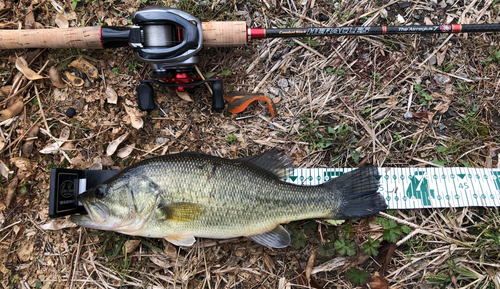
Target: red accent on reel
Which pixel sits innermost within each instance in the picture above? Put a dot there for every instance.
(181, 78)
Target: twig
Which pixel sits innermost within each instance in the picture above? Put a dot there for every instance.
(309, 48)
(11, 225)
(468, 152)
(41, 111)
(409, 224)
(202, 77)
(76, 259)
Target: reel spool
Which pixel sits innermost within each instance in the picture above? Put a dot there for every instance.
(169, 40)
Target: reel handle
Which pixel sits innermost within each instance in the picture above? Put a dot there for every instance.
(145, 92)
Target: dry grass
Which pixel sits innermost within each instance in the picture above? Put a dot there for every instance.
(365, 83)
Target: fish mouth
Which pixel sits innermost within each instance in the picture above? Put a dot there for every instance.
(97, 215)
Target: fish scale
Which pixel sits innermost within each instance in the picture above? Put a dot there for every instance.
(182, 196)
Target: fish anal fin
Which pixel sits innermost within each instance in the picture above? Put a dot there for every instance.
(276, 238)
(274, 161)
(182, 212)
(181, 239)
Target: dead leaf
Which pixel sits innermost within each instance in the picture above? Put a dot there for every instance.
(29, 20)
(444, 105)
(58, 224)
(56, 78)
(64, 133)
(377, 282)
(131, 245)
(5, 90)
(60, 94)
(114, 144)
(269, 262)
(170, 251)
(126, 151)
(96, 166)
(309, 267)
(441, 56)
(4, 170)
(112, 96)
(162, 263)
(85, 67)
(22, 66)
(22, 163)
(68, 146)
(38, 25)
(11, 188)
(4, 269)
(52, 148)
(28, 145)
(55, 147)
(16, 107)
(135, 116)
(128, 102)
(384, 257)
(184, 95)
(302, 280)
(74, 80)
(449, 89)
(61, 21)
(423, 115)
(24, 253)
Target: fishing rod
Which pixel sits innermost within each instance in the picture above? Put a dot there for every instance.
(170, 40)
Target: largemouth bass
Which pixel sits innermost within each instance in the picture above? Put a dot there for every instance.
(182, 196)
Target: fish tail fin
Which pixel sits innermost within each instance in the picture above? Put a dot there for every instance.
(357, 193)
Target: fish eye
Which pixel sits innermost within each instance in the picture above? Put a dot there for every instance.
(100, 192)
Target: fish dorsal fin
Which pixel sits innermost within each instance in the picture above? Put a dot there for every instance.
(182, 212)
(274, 161)
(276, 238)
(181, 239)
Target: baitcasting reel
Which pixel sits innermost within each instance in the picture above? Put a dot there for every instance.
(169, 40)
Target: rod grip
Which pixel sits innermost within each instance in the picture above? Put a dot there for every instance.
(224, 33)
(76, 37)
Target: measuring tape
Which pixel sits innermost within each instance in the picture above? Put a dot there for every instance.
(417, 188)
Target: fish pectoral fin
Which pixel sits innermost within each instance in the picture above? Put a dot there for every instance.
(276, 238)
(181, 239)
(182, 212)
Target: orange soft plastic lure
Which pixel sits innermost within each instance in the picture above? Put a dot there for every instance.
(239, 101)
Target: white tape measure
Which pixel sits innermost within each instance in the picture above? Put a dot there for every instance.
(414, 188)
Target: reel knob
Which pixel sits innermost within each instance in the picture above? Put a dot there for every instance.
(217, 98)
(146, 96)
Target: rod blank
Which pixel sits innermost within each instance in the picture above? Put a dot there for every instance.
(259, 33)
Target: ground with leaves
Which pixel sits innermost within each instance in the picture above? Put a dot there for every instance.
(393, 101)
